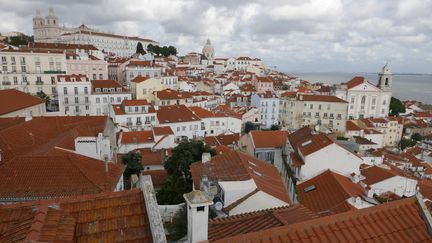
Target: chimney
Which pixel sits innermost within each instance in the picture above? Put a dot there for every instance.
(28, 116)
(205, 157)
(197, 215)
(106, 163)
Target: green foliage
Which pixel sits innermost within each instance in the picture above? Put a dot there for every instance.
(186, 153)
(172, 191)
(132, 160)
(178, 228)
(405, 143)
(19, 40)
(44, 97)
(162, 51)
(177, 166)
(396, 107)
(140, 49)
(342, 138)
(249, 126)
(275, 127)
(417, 137)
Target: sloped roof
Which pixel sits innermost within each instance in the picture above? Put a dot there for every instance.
(175, 113)
(13, 100)
(6, 122)
(269, 139)
(375, 174)
(329, 192)
(59, 174)
(165, 130)
(223, 139)
(133, 137)
(238, 166)
(106, 217)
(41, 134)
(397, 221)
(351, 126)
(224, 227)
(101, 84)
(356, 81)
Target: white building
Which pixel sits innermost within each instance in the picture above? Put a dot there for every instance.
(48, 29)
(299, 110)
(84, 64)
(133, 115)
(365, 99)
(134, 68)
(105, 93)
(268, 106)
(74, 95)
(216, 123)
(31, 71)
(182, 121)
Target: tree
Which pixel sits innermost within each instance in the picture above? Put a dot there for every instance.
(405, 143)
(44, 97)
(172, 191)
(172, 50)
(140, 49)
(186, 153)
(275, 127)
(132, 160)
(249, 126)
(396, 107)
(417, 137)
(178, 228)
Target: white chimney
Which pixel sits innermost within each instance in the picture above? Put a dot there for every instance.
(205, 157)
(28, 116)
(197, 215)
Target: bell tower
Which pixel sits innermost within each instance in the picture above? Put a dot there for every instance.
(385, 80)
(38, 23)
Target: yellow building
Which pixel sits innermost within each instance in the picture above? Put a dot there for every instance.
(142, 87)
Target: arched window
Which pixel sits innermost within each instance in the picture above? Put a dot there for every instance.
(386, 81)
(363, 99)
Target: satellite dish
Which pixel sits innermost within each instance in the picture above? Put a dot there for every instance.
(317, 128)
(218, 205)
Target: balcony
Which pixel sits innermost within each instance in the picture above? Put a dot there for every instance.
(54, 72)
(138, 123)
(24, 82)
(39, 82)
(129, 124)
(6, 83)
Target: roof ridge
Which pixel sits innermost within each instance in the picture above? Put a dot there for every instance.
(240, 200)
(84, 173)
(37, 223)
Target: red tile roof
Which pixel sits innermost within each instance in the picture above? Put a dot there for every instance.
(41, 134)
(328, 193)
(356, 81)
(224, 227)
(237, 166)
(60, 46)
(135, 103)
(269, 139)
(175, 113)
(14, 100)
(139, 79)
(73, 78)
(10, 121)
(159, 177)
(165, 130)
(59, 174)
(101, 84)
(313, 143)
(224, 139)
(169, 94)
(321, 98)
(375, 174)
(351, 126)
(397, 221)
(106, 217)
(201, 112)
(134, 137)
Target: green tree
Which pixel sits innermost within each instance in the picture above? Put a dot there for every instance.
(417, 137)
(406, 143)
(186, 153)
(396, 107)
(132, 160)
(172, 50)
(44, 97)
(140, 49)
(275, 127)
(249, 126)
(172, 191)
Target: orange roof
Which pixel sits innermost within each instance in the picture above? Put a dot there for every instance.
(375, 174)
(6, 122)
(159, 131)
(14, 100)
(135, 103)
(269, 139)
(101, 84)
(224, 227)
(175, 113)
(238, 166)
(397, 221)
(313, 143)
(60, 46)
(58, 174)
(201, 112)
(356, 81)
(133, 137)
(321, 98)
(289, 94)
(106, 217)
(139, 79)
(328, 193)
(158, 177)
(223, 139)
(41, 134)
(351, 126)
(73, 78)
(169, 94)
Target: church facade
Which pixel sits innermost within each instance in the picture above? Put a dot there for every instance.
(365, 99)
(48, 30)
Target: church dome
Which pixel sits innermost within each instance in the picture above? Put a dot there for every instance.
(208, 50)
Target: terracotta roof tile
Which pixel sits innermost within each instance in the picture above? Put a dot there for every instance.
(237, 166)
(351, 126)
(159, 177)
(223, 139)
(321, 98)
(6, 122)
(101, 84)
(356, 81)
(13, 100)
(175, 113)
(269, 139)
(133, 137)
(106, 217)
(327, 193)
(398, 221)
(59, 174)
(224, 227)
(375, 174)
(159, 131)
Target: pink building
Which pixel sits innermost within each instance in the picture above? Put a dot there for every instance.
(85, 64)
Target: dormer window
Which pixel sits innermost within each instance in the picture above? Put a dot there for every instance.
(105, 90)
(98, 90)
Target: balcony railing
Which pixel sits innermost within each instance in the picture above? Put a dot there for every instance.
(6, 83)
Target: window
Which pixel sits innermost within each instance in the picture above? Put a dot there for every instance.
(363, 99)
(85, 90)
(100, 76)
(105, 100)
(76, 90)
(66, 100)
(65, 90)
(86, 100)
(94, 75)
(76, 100)
(97, 100)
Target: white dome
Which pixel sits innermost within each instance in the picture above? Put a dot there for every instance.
(208, 50)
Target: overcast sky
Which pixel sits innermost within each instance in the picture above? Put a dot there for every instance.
(294, 35)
